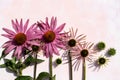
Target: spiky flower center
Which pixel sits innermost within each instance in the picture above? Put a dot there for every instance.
(101, 61)
(84, 53)
(72, 42)
(49, 36)
(20, 38)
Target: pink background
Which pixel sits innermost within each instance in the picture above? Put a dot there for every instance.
(98, 19)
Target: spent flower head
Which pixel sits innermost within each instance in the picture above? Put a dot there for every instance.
(72, 40)
(85, 51)
(101, 62)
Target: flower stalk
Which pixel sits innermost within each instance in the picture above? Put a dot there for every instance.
(19, 73)
(84, 70)
(70, 66)
(50, 67)
(35, 67)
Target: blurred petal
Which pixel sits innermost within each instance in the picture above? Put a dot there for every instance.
(9, 31)
(10, 48)
(60, 28)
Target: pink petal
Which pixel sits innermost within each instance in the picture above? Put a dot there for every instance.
(6, 44)
(18, 26)
(9, 49)
(33, 43)
(21, 26)
(55, 50)
(8, 36)
(14, 26)
(19, 52)
(46, 50)
(60, 46)
(53, 23)
(60, 28)
(47, 24)
(31, 28)
(50, 49)
(9, 31)
(26, 25)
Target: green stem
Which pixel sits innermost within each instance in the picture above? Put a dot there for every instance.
(20, 70)
(70, 66)
(35, 67)
(50, 67)
(84, 70)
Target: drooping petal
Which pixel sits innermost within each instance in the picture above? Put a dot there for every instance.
(19, 54)
(55, 50)
(10, 48)
(60, 45)
(6, 44)
(50, 49)
(16, 51)
(46, 51)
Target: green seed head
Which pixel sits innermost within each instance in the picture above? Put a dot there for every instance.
(111, 51)
(101, 46)
(58, 61)
(35, 48)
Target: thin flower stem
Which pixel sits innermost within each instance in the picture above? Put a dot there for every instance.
(84, 70)
(35, 67)
(20, 70)
(50, 67)
(70, 66)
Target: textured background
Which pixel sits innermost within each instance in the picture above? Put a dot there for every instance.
(98, 19)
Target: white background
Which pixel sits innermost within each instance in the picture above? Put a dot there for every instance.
(98, 19)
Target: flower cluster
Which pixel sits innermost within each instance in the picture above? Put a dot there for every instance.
(25, 42)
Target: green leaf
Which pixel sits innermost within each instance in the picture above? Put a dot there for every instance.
(53, 78)
(2, 66)
(28, 60)
(37, 60)
(19, 65)
(14, 60)
(3, 54)
(24, 78)
(43, 76)
(10, 64)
